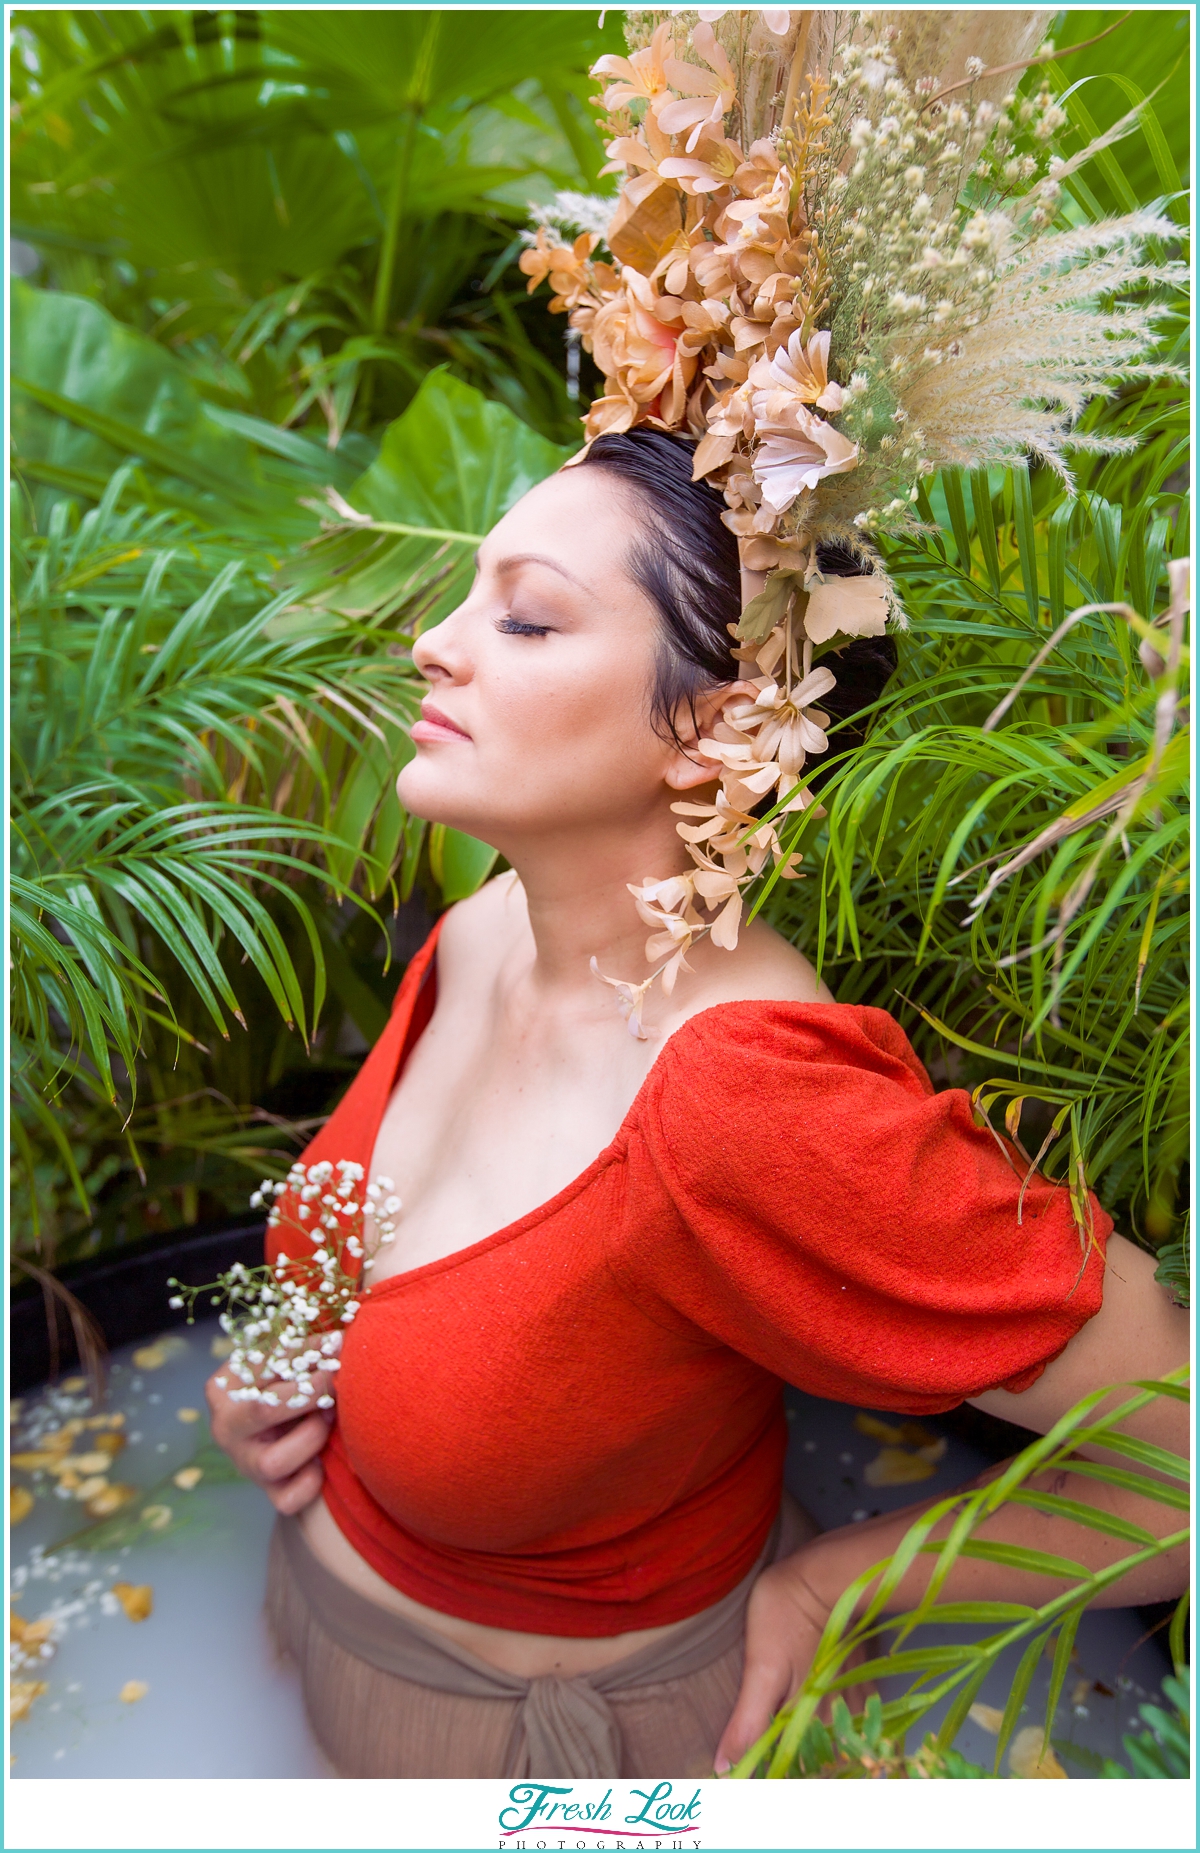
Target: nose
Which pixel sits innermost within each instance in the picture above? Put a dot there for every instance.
(440, 655)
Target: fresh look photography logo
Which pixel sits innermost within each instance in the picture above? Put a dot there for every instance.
(549, 1815)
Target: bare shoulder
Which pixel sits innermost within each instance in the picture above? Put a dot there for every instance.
(763, 967)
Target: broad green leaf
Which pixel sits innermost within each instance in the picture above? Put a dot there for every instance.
(104, 392)
(452, 464)
(464, 864)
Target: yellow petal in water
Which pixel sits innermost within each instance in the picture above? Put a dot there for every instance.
(187, 1415)
(110, 1499)
(132, 1691)
(30, 1635)
(897, 1467)
(137, 1599)
(187, 1477)
(73, 1385)
(221, 1347)
(99, 1462)
(156, 1517)
(153, 1357)
(22, 1693)
(877, 1430)
(20, 1504)
(896, 1435)
(1026, 1757)
(987, 1718)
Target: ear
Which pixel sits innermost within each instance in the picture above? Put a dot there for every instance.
(686, 768)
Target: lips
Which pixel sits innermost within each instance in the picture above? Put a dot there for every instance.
(434, 725)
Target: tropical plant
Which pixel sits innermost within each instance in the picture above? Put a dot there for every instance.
(260, 234)
(798, 1744)
(204, 771)
(310, 209)
(1005, 861)
(241, 483)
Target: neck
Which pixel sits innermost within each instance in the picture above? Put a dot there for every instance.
(579, 903)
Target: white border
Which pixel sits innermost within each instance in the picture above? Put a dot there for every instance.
(464, 1815)
(152, 1813)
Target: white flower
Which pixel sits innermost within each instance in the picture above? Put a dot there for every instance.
(796, 454)
(630, 997)
(796, 374)
(775, 18)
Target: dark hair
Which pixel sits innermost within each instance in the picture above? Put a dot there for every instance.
(686, 561)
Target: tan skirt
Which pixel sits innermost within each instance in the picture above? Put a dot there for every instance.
(387, 1697)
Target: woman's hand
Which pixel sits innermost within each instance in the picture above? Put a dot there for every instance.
(785, 1620)
(280, 1455)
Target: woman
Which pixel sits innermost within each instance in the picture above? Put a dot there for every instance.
(543, 1533)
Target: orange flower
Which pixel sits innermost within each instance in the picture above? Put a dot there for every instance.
(635, 339)
(796, 373)
(786, 726)
(715, 90)
(566, 266)
(712, 167)
(641, 76)
(668, 906)
(648, 150)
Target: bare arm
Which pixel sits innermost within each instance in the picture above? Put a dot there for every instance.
(1137, 1335)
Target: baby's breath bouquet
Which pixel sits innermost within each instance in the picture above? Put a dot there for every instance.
(287, 1318)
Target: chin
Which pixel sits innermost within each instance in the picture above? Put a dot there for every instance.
(424, 791)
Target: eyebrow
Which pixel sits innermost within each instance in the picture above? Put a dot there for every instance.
(534, 559)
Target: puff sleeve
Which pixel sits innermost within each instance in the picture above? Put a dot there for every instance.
(845, 1226)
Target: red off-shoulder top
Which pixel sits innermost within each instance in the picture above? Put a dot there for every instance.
(575, 1426)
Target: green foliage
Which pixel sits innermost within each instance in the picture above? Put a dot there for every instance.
(309, 208)
(853, 1648)
(859, 1749)
(1059, 992)
(205, 750)
(89, 393)
(1105, 80)
(447, 470)
(260, 233)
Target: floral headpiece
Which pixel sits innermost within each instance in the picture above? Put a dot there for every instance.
(838, 263)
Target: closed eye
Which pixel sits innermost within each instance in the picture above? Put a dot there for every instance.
(512, 627)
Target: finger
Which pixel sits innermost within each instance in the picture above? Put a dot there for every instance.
(765, 1686)
(291, 1496)
(286, 1454)
(255, 1415)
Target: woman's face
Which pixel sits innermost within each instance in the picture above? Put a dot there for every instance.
(538, 715)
